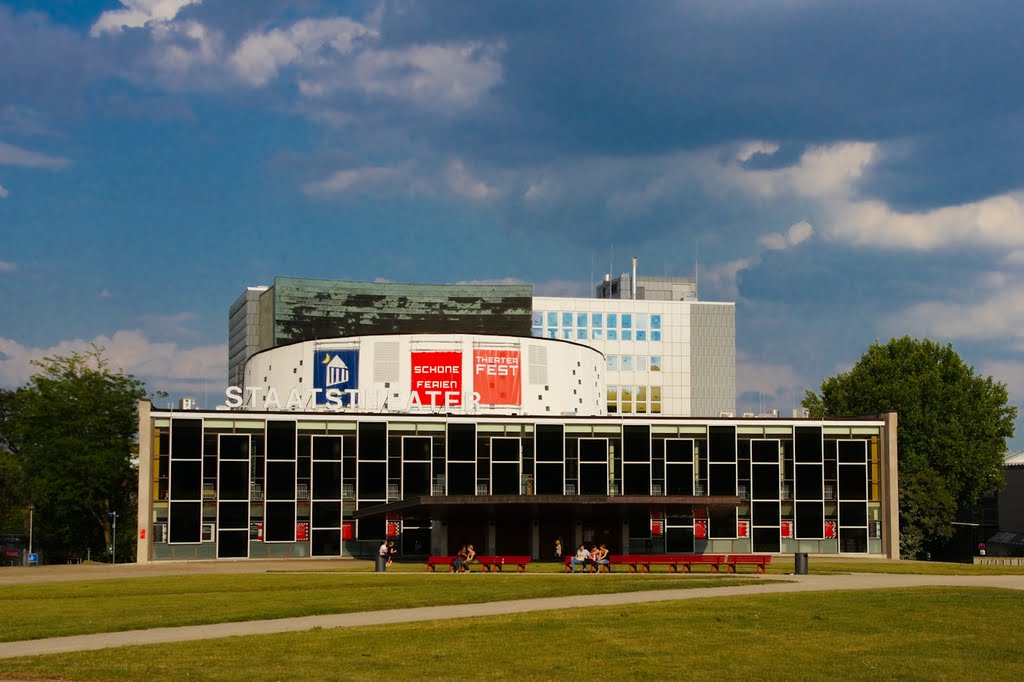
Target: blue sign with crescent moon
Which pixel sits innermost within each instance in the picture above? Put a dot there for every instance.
(338, 370)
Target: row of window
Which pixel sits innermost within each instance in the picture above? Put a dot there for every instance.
(634, 363)
(634, 399)
(583, 334)
(594, 321)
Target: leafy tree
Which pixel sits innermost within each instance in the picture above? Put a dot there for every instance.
(71, 432)
(953, 427)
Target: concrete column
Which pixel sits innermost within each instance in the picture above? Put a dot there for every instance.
(890, 488)
(492, 536)
(535, 541)
(143, 536)
(438, 538)
(625, 537)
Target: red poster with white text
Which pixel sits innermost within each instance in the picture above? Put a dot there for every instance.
(497, 377)
(437, 378)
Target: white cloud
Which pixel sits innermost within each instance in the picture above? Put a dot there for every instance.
(465, 185)
(722, 277)
(997, 316)
(180, 47)
(1008, 372)
(7, 267)
(821, 172)
(751, 149)
(355, 180)
(137, 14)
(3, 192)
(436, 77)
(163, 365)
(797, 233)
(260, 56)
(781, 386)
(105, 293)
(16, 156)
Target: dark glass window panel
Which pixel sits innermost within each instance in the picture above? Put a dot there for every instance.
(416, 449)
(280, 483)
(679, 540)
(184, 521)
(764, 481)
(233, 446)
(807, 445)
(764, 514)
(326, 480)
(461, 479)
(210, 445)
(679, 451)
(415, 479)
(593, 450)
(722, 479)
(233, 480)
(164, 446)
(853, 540)
(550, 479)
(766, 451)
(505, 479)
(722, 443)
(722, 523)
(233, 544)
(853, 514)
(373, 481)
(593, 479)
(831, 470)
(373, 441)
(325, 543)
(325, 515)
(504, 449)
(808, 482)
(636, 479)
(550, 440)
(371, 529)
(281, 440)
(279, 522)
(639, 524)
(679, 479)
(233, 515)
(853, 482)
(852, 451)
(765, 540)
(186, 480)
(186, 438)
(636, 444)
(809, 518)
(462, 442)
(326, 447)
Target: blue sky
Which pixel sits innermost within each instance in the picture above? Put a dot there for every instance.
(845, 172)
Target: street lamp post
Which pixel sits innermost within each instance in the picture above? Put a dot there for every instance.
(31, 512)
(113, 550)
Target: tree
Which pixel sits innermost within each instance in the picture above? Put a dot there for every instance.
(71, 432)
(953, 427)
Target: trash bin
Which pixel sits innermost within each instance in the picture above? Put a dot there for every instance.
(382, 564)
(800, 563)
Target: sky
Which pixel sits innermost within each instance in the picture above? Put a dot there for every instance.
(844, 172)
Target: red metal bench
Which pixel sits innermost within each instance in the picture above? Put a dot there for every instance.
(435, 561)
(759, 561)
(641, 563)
(497, 563)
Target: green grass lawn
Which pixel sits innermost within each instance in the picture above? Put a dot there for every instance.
(921, 633)
(59, 609)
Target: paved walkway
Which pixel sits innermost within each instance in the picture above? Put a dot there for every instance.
(782, 584)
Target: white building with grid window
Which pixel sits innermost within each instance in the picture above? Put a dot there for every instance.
(670, 358)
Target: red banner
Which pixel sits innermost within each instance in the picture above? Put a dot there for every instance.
(437, 378)
(302, 531)
(787, 529)
(743, 529)
(830, 529)
(700, 528)
(497, 377)
(392, 529)
(347, 528)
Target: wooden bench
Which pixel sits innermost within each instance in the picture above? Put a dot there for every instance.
(435, 561)
(758, 561)
(497, 563)
(641, 563)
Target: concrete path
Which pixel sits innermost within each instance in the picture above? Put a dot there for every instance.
(782, 584)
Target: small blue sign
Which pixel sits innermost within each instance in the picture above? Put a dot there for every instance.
(32, 558)
(335, 370)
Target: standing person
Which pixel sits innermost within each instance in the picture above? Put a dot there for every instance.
(391, 553)
(383, 559)
(558, 549)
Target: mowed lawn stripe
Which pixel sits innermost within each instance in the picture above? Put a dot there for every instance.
(914, 633)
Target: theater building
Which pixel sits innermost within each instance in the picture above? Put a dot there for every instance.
(506, 442)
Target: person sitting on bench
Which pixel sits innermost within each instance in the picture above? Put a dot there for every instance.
(581, 559)
(602, 558)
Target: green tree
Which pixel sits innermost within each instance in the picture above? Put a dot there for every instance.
(71, 432)
(953, 427)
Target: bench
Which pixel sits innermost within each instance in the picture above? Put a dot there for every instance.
(641, 563)
(497, 563)
(435, 561)
(758, 561)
